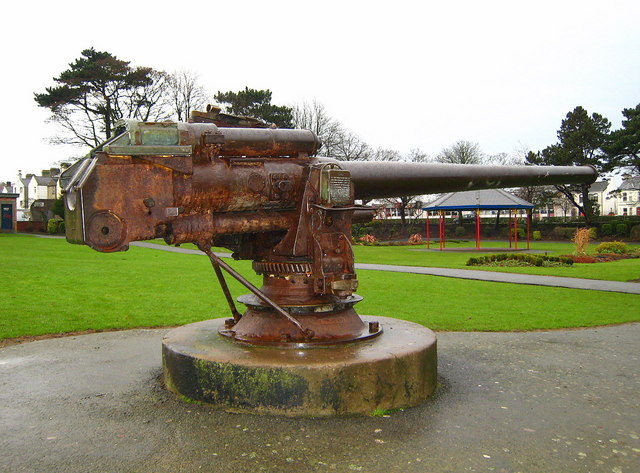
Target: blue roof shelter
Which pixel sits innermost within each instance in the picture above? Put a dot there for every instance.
(488, 199)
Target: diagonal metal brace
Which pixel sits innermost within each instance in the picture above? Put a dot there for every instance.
(217, 263)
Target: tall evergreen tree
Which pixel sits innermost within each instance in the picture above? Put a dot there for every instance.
(582, 139)
(624, 148)
(96, 90)
(256, 104)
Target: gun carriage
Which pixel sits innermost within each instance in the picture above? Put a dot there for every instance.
(263, 194)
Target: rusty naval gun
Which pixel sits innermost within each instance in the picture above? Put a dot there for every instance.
(263, 194)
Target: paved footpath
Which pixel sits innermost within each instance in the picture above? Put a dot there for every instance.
(539, 402)
(573, 283)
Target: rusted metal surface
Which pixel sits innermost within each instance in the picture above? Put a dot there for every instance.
(262, 194)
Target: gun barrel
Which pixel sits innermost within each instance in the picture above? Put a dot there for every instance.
(377, 180)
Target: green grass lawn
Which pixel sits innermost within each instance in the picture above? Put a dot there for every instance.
(621, 270)
(50, 286)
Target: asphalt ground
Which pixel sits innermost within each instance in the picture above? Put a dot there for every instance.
(561, 401)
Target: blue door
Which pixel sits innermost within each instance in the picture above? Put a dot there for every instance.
(7, 217)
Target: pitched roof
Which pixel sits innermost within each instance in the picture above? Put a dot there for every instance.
(599, 186)
(631, 183)
(483, 199)
(45, 180)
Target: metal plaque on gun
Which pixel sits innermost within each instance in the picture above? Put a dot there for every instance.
(335, 187)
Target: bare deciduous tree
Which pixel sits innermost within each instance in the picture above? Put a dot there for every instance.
(313, 116)
(185, 94)
(349, 147)
(403, 204)
(148, 102)
(461, 152)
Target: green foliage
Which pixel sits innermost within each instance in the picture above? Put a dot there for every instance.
(459, 231)
(58, 207)
(537, 235)
(52, 226)
(564, 232)
(521, 233)
(635, 232)
(581, 141)
(606, 229)
(510, 259)
(379, 412)
(96, 90)
(616, 247)
(622, 229)
(256, 104)
(624, 148)
(55, 225)
(593, 233)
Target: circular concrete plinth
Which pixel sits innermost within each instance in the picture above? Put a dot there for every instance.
(394, 370)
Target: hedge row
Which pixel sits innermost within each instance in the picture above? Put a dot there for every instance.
(533, 260)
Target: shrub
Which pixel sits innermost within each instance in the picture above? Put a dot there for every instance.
(537, 235)
(606, 229)
(52, 225)
(581, 239)
(564, 232)
(635, 232)
(415, 238)
(616, 247)
(521, 233)
(459, 231)
(510, 259)
(622, 229)
(593, 233)
(368, 238)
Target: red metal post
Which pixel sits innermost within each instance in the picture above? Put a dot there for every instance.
(441, 228)
(509, 228)
(529, 213)
(477, 229)
(428, 222)
(515, 227)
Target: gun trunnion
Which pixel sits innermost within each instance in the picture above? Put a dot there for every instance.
(262, 194)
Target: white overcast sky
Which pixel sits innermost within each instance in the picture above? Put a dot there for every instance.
(400, 74)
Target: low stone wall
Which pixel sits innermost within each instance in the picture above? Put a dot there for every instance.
(31, 227)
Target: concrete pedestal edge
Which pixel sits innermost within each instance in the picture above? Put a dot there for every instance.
(396, 370)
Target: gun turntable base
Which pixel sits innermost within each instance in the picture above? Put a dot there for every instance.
(396, 369)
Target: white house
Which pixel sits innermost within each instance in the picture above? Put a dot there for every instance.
(32, 188)
(627, 196)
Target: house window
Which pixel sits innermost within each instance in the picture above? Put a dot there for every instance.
(624, 197)
(624, 211)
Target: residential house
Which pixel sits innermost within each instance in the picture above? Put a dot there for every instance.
(32, 188)
(599, 195)
(628, 196)
(7, 188)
